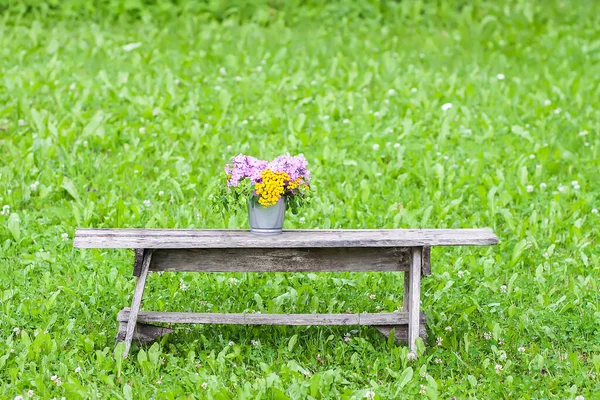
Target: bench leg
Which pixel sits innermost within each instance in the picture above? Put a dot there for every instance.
(137, 301)
(144, 333)
(414, 298)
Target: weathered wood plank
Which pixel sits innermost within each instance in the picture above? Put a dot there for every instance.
(143, 333)
(137, 301)
(282, 260)
(395, 318)
(414, 299)
(204, 239)
(426, 268)
(406, 297)
(138, 261)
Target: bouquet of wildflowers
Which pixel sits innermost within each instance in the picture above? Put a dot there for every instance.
(285, 178)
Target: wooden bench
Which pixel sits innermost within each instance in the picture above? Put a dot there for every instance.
(392, 250)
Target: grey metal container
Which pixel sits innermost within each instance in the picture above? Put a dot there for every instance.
(266, 220)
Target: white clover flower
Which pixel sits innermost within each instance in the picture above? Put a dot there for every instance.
(230, 343)
(30, 393)
(543, 185)
(594, 211)
(17, 330)
(161, 193)
(422, 389)
(391, 92)
(156, 111)
(222, 71)
(347, 339)
(413, 90)
(503, 289)
(85, 143)
(561, 188)
(377, 114)
(302, 220)
(557, 111)
(375, 146)
(521, 349)
(500, 76)
(396, 145)
(446, 106)
(498, 368)
(576, 187)
(448, 329)
(532, 156)
(438, 361)
(350, 107)
(18, 397)
(217, 88)
(547, 102)
(147, 203)
(326, 117)
(439, 341)
(233, 281)
(238, 78)
(313, 82)
(503, 355)
(370, 395)
(204, 385)
(574, 183)
(245, 122)
(259, 68)
(21, 122)
(372, 296)
(412, 356)
(580, 397)
(5, 210)
(56, 380)
(77, 370)
(176, 81)
(461, 274)
(34, 186)
(73, 86)
(529, 188)
(64, 237)
(182, 286)
(346, 121)
(538, 166)
(446, 158)
(582, 133)
(142, 130)
(487, 335)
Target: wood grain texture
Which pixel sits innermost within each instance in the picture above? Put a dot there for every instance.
(282, 260)
(426, 264)
(210, 239)
(143, 333)
(414, 296)
(138, 261)
(395, 318)
(137, 301)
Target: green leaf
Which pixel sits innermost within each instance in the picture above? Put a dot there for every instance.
(405, 377)
(14, 226)
(292, 343)
(68, 185)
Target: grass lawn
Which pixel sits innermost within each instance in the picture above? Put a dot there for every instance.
(435, 115)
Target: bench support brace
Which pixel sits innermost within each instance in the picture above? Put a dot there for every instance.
(137, 301)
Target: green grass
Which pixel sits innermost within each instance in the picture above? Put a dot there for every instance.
(107, 125)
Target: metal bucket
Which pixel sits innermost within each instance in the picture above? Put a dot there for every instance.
(266, 220)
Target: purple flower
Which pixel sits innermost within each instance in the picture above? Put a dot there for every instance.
(295, 166)
(246, 167)
(242, 167)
